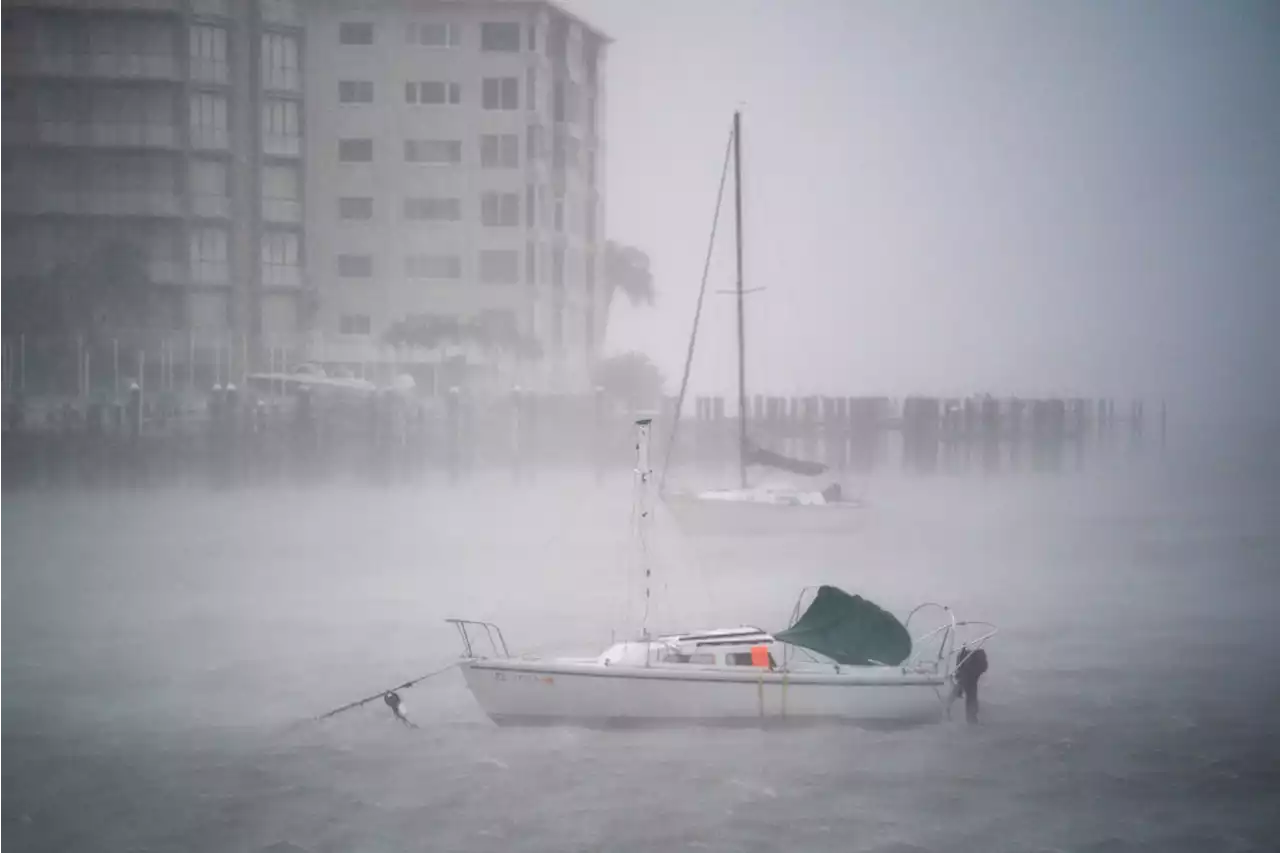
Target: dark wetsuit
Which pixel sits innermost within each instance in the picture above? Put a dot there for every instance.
(970, 665)
(393, 702)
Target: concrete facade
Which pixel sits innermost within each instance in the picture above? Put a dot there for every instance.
(454, 170)
(173, 126)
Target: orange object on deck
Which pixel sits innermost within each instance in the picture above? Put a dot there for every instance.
(760, 656)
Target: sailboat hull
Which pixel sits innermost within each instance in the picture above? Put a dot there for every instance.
(514, 692)
(702, 516)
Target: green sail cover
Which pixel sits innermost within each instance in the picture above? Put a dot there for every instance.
(850, 630)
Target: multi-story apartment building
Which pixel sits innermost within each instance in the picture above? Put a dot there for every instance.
(454, 170)
(174, 126)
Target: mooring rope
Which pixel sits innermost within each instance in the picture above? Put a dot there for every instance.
(697, 315)
(381, 694)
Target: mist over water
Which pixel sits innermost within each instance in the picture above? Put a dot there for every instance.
(1047, 200)
(159, 645)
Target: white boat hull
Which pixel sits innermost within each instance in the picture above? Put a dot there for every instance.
(701, 516)
(520, 692)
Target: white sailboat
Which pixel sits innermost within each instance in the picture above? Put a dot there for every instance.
(762, 508)
(841, 658)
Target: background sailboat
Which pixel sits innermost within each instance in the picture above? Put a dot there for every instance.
(778, 507)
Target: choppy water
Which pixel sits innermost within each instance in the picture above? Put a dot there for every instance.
(156, 647)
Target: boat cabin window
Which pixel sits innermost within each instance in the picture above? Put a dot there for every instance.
(704, 658)
(744, 659)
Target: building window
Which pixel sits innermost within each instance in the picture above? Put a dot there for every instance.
(438, 152)
(499, 151)
(432, 92)
(281, 133)
(208, 54)
(355, 266)
(559, 213)
(503, 37)
(209, 256)
(533, 37)
(500, 266)
(531, 89)
(210, 194)
(351, 32)
(280, 264)
(433, 266)
(281, 193)
(355, 91)
(208, 120)
(355, 150)
(530, 206)
(500, 93)
(433, 209)
(435, 35)
(355, 207)
(531, 262)
(501, 210)
(557, 267)
(354, 324)
(280, 68)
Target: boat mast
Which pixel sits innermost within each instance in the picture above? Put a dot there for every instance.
(642, 510)
(742, 369)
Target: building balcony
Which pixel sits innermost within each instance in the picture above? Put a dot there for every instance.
(211, 8)
(211, 206)
(104, 5)
(209, 138)
(135, 66)
(110, 66)
(134, 135)
(282, 146)
(131, 204)
(283, 80)
(85, 134)
(282, 210)
(283, 12)
(17, 132)
(209, 71)
(167, 272)
(277, 275)
(210, 272)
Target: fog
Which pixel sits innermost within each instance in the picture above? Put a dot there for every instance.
(162, 654)
(1046, 198)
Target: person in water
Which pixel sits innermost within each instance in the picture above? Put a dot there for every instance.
(397, 707)
(970, 665)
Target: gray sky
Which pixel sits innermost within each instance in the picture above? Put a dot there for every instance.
(1038, 197)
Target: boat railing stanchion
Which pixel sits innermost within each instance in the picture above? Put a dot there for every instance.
(466, 640)
(498, 644)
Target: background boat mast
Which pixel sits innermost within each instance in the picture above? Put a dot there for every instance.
(742, 368)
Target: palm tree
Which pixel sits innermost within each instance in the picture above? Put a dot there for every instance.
(631, 378)
(627, 269)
